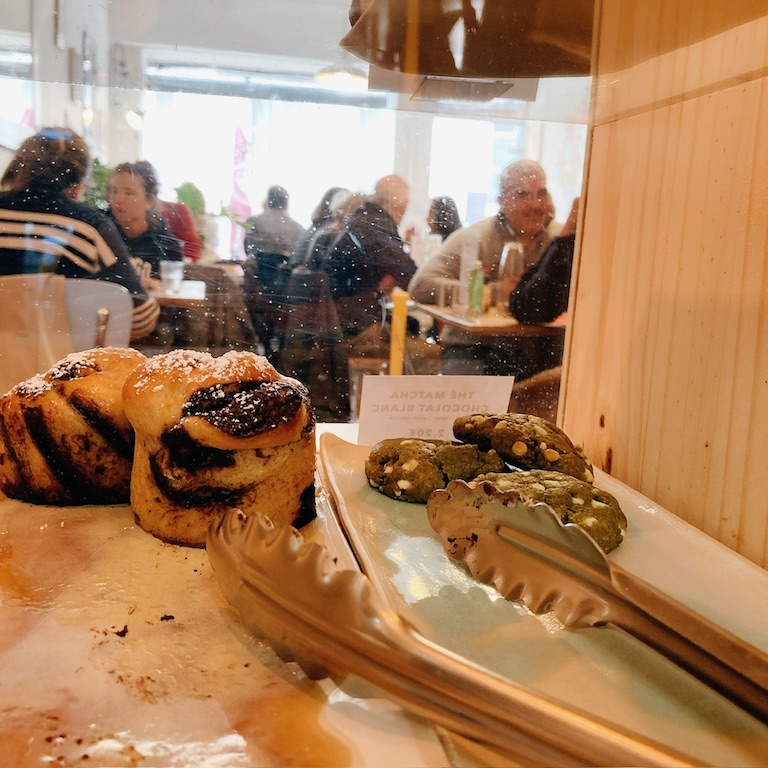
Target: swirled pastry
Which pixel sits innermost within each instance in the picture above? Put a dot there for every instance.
(218, 432)
(64, 436)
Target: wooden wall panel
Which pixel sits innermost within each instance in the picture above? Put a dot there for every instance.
(667, 370)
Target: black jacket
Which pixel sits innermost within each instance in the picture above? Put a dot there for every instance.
(365, 251)
(368, 249)
(542, 293)
(155, 245)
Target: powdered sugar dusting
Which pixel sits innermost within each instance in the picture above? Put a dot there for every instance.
(33, 387)
(184, 363)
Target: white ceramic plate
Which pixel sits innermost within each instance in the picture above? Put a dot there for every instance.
(599, 670)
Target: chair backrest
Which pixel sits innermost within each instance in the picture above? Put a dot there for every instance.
(273, 272)
(34, 326)
(85, 298)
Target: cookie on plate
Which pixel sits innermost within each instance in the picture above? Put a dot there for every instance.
(525, 441)
(575, 501)
(410, 469)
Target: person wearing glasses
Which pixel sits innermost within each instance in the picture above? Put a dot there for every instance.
(523, 217)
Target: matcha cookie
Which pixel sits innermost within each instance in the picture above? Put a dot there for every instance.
(574, 501)
(410, 469)
(525, 441)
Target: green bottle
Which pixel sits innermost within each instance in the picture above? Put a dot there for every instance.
(476, 284)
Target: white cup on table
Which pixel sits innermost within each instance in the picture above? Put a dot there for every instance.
(171, 275)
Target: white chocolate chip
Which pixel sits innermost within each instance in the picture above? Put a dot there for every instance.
(410, 465)
(550, 454)
(519, 448)
(404, 484)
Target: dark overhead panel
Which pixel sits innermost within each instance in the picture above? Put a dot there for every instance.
(489, 39)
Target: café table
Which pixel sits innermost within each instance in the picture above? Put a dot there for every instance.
(191, 294)
(117, 649)
(540, 346)
(490, 323)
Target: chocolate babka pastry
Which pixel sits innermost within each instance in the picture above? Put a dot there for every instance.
(64, 436)
(214, 433)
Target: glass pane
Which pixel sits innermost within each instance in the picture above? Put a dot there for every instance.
(227, 105)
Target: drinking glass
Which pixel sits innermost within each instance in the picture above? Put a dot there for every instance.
(509, 273)
(171, 275)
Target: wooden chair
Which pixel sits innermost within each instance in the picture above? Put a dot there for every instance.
(223, 323)
(538, 394)
(312, 348)
(34, 326)
(100, 313)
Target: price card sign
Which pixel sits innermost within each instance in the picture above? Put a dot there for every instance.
(425, 407)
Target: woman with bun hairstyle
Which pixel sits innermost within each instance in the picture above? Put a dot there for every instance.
(45, 228)
(132, 190)
(443, 218)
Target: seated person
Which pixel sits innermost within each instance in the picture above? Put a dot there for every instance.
(523, 216)
(322, 217)
(273, 230)
(542, 293)
(44, 227)
(320, 244)
(181, 224)
(367, 259)
(443, 218)
(133, 204)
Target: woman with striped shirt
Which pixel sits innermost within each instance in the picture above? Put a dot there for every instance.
(44, 227)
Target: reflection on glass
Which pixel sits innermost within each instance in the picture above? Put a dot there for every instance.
(230, 104)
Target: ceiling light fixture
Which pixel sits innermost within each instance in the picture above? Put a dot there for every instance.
(344, 74)
(134, 118)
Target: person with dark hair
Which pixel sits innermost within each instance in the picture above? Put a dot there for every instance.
(323, 217)
(367, 259)
(45, 227)
(272, 231)
(132, 190)
(443, 217)
(542, 293)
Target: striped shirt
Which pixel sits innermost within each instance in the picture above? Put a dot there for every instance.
(41, 230)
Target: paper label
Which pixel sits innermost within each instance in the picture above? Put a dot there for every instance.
(425, 407)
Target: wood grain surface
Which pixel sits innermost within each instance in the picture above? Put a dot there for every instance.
(667, 370)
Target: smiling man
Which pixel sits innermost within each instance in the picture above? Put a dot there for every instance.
(524, 212)
(523, 215)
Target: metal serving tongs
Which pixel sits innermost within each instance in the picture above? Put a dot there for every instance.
(529, 555)
(333, 623)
